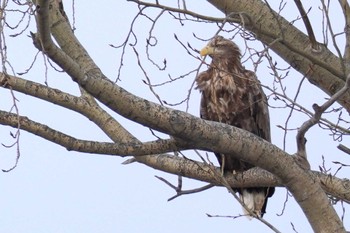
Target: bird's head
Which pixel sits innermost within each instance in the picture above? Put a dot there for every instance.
(219, 47)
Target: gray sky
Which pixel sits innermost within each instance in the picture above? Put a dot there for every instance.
(53, 190)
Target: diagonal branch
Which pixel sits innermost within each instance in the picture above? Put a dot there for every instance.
(73, 144)
(78, 104)
(333, 35)
(344, 4)
(307, 24)
(181, 11)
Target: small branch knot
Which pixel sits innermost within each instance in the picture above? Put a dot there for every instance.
(316, 108)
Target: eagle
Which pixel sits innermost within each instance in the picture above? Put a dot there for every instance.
(232, 95)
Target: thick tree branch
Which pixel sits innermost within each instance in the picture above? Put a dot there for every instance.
(78, 104)
(338, 188)
(73, 144)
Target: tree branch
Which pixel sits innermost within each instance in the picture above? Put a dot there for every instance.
(346, 11)
(307, 24)
(73, 144)
(180, 192)
(319, 110)
(333, 36)
(339, 188)
(171, 164)
(182, 11)
(344, 148)
(78, 104)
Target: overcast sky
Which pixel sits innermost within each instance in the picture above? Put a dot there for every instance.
(53, 190)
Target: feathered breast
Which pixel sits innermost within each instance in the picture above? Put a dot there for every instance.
(234, 98)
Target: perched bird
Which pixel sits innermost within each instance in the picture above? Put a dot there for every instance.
(233, 95)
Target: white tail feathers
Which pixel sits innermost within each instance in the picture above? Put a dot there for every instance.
(253, 201)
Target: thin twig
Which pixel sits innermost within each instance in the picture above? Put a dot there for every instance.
(344, 4)
(335, 44)
(183, 11)
(306, 111)
(180, 192)
(148, 82)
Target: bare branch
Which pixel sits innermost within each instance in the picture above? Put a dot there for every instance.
(319, 110)
(339, 188)
(330, 27)
(180, 192)
(73, 144)
(179, 166)
(307, 112)
(148, 82)
(344, 148)
(182, 11)
(346, 11)
(16, 136)
(307, 24)
(96, 114)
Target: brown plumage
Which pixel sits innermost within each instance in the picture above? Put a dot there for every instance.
(233, 95)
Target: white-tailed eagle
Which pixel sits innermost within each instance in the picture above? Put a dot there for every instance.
(233, 95)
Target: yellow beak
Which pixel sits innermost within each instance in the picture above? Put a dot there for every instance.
(207, 50)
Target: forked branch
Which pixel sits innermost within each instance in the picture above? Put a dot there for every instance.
(319, 110)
